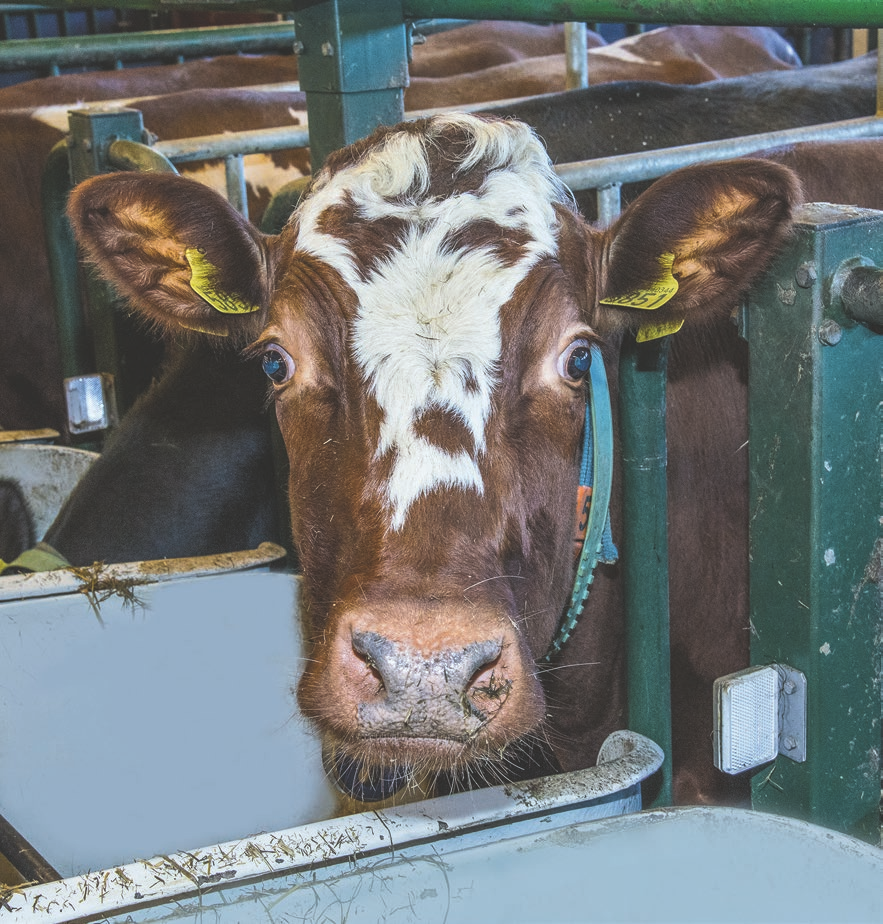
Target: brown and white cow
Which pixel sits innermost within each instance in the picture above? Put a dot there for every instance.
(424, 320)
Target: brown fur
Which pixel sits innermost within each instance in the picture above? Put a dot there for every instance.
(493, 570)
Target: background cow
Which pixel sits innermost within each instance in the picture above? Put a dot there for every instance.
(424, 321)
(454, 68)
(596, 122)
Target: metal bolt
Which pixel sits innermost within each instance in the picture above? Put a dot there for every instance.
(805, 275)
(789, 742)
(298, 48)
(327, 50)
(830, 332)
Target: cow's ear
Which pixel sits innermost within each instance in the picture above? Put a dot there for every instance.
(689, 246)
(176, 250)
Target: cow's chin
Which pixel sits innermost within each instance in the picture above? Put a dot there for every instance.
(392, 770)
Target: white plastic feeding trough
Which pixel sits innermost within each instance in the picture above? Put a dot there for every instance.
(391, 865)
(146, 727)
(149, 728)
(47, 474)
(426, 864)
(147, 731)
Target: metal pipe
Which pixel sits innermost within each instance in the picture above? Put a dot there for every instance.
(861, 292)
(132, 155)
(576, 55)
(588, 174)
(879, 75)
(633, 168)
(850, 13)
(237, 194)
(843, 13)
(609, 203)
(18, 54)
(256, 141)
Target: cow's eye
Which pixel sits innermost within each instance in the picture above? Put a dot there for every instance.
(574, 362)
(277, 364)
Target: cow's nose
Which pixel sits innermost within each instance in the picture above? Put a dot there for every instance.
(451, 693)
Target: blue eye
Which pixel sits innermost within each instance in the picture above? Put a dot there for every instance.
(278, 366)
(575, 362)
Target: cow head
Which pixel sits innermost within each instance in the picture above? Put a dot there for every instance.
(424, 321)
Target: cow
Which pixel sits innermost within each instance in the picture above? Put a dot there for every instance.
(595, 122)
(628, 117)
(204, 481)
(680, 54)
(17, 529)
(673, 54)
(426, 322)
(30, 373)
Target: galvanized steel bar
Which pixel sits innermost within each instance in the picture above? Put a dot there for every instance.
(633, 168)
(879, 74)
(609, 203)
(209, 147)
(576, 55)
(93, 50)
(125, 154)
(603, 172)
(234, 174)
(816, 539)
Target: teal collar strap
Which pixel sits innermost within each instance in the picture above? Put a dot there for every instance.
(596, 473)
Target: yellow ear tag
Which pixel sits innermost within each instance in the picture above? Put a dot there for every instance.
(655, 331)
(202, 281)
(655, 295)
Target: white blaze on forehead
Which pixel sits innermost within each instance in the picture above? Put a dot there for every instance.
(427, 329)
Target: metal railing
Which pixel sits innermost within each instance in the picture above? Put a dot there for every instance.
(96, 51)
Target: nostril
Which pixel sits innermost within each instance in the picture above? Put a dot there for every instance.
(489, 688)
(374, 651)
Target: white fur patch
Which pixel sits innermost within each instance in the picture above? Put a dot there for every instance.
(619, 53)
(427, 330)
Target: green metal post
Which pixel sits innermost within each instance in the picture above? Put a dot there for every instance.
(815, 515)
(353, 67)
(121, 349)
(642, 378)
(77, 355)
